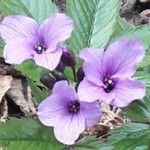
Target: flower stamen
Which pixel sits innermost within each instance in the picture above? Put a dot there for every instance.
(109, 84)
(40, 48)
(74, 106)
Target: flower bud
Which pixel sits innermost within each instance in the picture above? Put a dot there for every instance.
(60, 67)
(68, 58)
(59, 75)
(48, 81)
(80, 74)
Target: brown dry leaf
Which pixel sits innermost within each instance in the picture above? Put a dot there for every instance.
(5, 85)
(2, 71)
(97, 130)
(112, 117)
(20, 93)
(145, 13)
(144, 1)
(3, 110)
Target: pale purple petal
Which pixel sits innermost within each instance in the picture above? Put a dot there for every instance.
(89, 92)
(48, 60)
(92, 64)
(51, 109)
(92, 55)
(56, 29)
(18, 50)
(128, 90)
(65, 91)
(107, 97)
(18, 27)
(68, 128)
(122, 56)
(91, 113)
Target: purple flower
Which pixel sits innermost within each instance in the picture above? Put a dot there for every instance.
(109, 74)
(25, 39)
(64, 111)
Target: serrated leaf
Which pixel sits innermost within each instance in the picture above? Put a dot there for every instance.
(69, 73)
(139, 110)
(121, 26)
(144, 77)
(146, 61)
(91, 143)
(40, 10)
(37, 9)
(31, 70)
(27, 134)
(1, 52)
(130, 137)
(142, 32)
(1, 47)
(13, 7)
(37, 93)
(94, 22)
(124, 25)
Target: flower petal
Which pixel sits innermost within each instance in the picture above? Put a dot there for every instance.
(56, 29)
(51, 109)
(64, 90)
(91, 112)
(18, 27)
(92, 64)
(48, 60)
(89, 92)
(68, 128)
(128, 90)
(122, 56)
(17, 51)
(92, 55)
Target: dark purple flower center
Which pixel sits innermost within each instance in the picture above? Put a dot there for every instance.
(109, 84)
(40, 48)
(74, 106)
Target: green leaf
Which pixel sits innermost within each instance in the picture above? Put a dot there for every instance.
(31, 70)
(1, 47)
(38, 9)
(27, 134)
(1, 52)
(121, 26)
(130, 137)
(69, 73)
(124, 25)
(144, 77)
(94, 22)
(13, 7)
(91, 143)
(142, 32)
(33, 73)
(37, 93)
(139, 110)
(146, 60)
